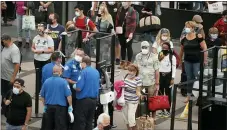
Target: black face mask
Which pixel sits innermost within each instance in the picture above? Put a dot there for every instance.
(165, 52)
(99, 15)
(41, 33)
(107, 127)
(49, 21)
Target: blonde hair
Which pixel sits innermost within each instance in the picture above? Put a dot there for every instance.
(191, 24)
(213, 30)
(159, 35)
(105, 11)
(69, 24)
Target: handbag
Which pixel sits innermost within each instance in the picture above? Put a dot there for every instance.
(28, 22)
(159, 102)
(121, 100)
(119, 30)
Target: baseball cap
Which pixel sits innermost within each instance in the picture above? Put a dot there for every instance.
(5, 37)
(145, 43)
(197, 19)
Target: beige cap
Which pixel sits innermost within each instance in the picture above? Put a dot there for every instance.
(197, 19)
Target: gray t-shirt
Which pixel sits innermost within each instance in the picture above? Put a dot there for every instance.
(10, 56)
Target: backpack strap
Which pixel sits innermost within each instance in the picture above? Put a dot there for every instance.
(86, 21)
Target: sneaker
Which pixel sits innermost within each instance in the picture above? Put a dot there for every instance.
(166, 114)
(161, 114)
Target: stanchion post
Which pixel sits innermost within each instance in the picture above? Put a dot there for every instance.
(190, 114)
(112, 74)
(113, 40)
(79, 39)
(37, 90)
(201, 89)
(215, 62)
(173, 111)
(63, 48)
(97, 52)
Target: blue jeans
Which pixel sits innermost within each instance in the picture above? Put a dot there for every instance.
(192, 70)
(20, 30)
(11, 127)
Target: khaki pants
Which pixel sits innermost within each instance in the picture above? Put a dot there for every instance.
(151, 90)
(129, 114)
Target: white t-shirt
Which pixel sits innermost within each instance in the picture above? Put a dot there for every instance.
(42, 44)
(159, 48)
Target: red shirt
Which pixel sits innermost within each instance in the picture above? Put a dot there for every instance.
(80, 23)
(221, 26)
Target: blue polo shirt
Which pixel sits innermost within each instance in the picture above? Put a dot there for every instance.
(88, 83)
(55, 91)
(72, 70)
(47, 71)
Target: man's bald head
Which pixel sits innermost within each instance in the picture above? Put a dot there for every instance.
(57, 70)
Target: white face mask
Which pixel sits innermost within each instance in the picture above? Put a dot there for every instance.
(214, 36)
(145, 51)
(78, 58)
(187, 30)
(77, 14)
(164, 38)
(124, 4)
(16, 90)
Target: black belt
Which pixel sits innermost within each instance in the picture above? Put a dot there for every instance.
(165, 73)
(88, 98)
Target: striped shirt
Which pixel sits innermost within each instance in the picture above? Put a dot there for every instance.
(130, 89)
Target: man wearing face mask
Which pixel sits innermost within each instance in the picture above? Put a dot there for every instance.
(87, 91)
(56, 96)
(72, 70)
(19, 107)
(149, 70)
(84, 23)
(42, 47)
(47, 71)
(55, 30)
(103, 122)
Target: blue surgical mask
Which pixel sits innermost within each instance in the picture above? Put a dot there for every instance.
(187, 30)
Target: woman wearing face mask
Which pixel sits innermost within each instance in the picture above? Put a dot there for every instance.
(105, 24)
(191, 46)
(167, 73)
(132, 95)
(163, 36)
(71, 38)
(125, 28)
(213, 40)
(19, 107)
(42, 47)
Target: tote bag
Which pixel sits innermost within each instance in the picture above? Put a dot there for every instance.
(28, 22)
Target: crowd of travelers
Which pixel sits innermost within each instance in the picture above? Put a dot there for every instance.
(69, 92)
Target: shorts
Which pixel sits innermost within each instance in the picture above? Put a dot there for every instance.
(129, 113)
(151, 90)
